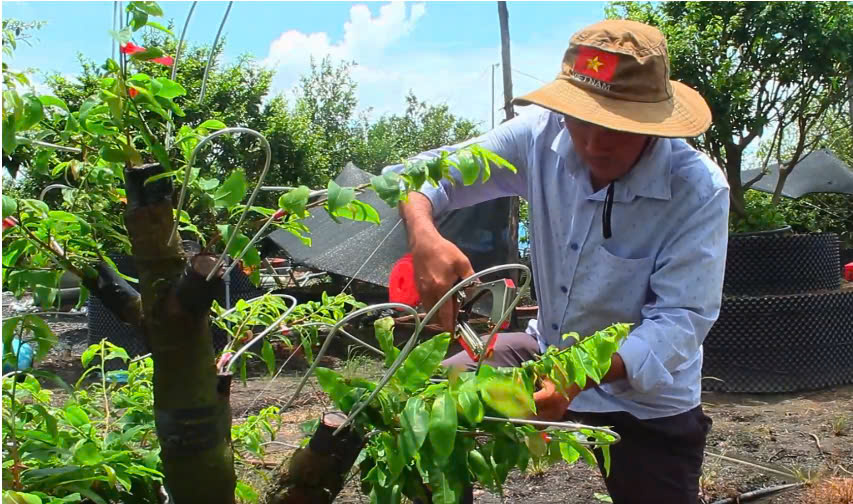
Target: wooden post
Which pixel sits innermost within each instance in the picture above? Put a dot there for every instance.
(507, 67)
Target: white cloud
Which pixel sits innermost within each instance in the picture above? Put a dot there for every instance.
(459, 77)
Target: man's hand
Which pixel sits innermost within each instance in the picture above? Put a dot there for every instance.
(438, 263)
(551, 405)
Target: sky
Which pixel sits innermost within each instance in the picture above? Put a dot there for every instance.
(442, 51)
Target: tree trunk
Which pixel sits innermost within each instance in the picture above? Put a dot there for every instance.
(191, 403)
(734, 159)
(507, 66)
(316, 473)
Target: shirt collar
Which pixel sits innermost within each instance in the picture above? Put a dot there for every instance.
(650, 177)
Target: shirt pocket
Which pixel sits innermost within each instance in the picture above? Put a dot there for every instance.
(615, 288)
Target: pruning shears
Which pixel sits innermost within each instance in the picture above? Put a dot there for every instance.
(502, 292)
(401, 289)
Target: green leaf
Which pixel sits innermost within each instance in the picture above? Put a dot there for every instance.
(76, 416)
(481, 468)
(358, 211)
(442, 426)
(338, 197)
(333, 384)
(112, 154)
(245, 492)
(33, 113)
(383, 329)
(169, 89)
(414, 424)
(569, 454)
(158, 26)
(139, 20)
(89, 354)
(444, 489)
(212, 124)
(52, 101)
(393, 456)
(148, 7)
(294, 201)
(10, 206)
(231, 191)
(268, 356)
(471, 407)
(147, 54)
(422, 363)
(508, 397)
(12, 497)
(9, 140)
(468, 167)
(387, 187)
(123, 36)
(88, 454)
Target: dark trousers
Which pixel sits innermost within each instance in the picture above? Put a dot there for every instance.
(658, 461)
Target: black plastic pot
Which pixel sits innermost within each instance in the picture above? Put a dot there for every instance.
(777, 263)
(785, 343)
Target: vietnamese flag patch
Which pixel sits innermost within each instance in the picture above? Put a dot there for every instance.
(596, 63)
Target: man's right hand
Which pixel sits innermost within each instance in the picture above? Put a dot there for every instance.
(438, 263)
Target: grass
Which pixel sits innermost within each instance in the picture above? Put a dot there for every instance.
(831, 491)
(840, 425)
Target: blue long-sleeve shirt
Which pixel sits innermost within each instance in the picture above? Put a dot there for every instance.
(662, 269)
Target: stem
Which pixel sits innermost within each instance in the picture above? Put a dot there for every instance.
(16, 456)
(64, 262)
(104, 386)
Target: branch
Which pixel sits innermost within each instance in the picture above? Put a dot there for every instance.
(115, 293)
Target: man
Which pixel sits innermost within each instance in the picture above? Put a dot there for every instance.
(628, 224)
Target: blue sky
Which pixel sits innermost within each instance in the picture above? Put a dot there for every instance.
(440, 50)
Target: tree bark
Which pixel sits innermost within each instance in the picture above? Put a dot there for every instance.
(191, 402)
(734, 159)
(505, 57)
(316, 473)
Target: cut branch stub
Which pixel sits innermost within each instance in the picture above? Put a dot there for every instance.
(115, 293)
(139, 193)
(316, 473)
(193, 291)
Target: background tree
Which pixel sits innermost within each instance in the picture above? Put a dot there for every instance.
(767, 69)
(422, 127)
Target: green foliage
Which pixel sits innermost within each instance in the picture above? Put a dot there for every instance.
(771, 69)
(761, 215)
(420, 128)
(434, 433)
(98, 443)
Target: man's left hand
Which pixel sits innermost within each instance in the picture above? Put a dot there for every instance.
(551, 405)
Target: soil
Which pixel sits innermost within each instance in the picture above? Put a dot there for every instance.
(809, 434)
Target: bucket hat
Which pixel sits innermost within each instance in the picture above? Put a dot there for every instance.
(616, 74)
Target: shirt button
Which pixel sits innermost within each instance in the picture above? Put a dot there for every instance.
(564, 289)
(554, 326)
(574, 246)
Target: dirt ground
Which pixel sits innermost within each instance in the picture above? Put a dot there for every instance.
(809, 434)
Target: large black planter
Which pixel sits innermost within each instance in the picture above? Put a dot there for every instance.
(781, 343)
(103, 324)
(781, 264)
(784, 325)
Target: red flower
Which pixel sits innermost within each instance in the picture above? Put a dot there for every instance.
(132, 92)
(546, 437)
(131, 48)
(164, 60)
(9, 222)
(278, 215)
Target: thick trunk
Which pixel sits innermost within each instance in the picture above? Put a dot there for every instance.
(191, 403)
(316, 473)
(734, 158)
